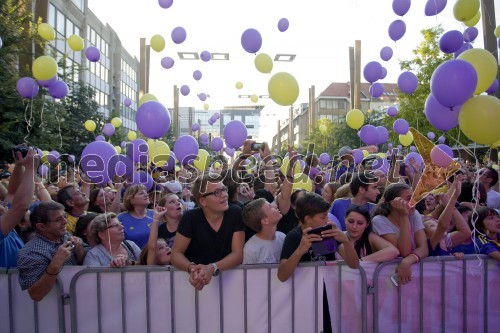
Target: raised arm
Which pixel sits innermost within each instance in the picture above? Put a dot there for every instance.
(284, 198)
(153, 234)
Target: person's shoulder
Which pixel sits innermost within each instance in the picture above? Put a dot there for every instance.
(340, 201)
(380, 218)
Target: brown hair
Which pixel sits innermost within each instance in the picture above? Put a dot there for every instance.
(129, 194)
(252, 214)
(200, 185)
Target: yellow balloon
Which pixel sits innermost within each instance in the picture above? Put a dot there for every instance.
(302, 182)
(45, 156)
(146, 98)
(465, 10)
(131, 135)
(44, 68)
(206, 106)
(496, 145)
(355, 119)
(285, 166)
(90, 125)
(76, 43)
(323, 129)
(157, 43)
(177, 168)
(116, 122)
(283, 89)
(263, 63)
(118, 149)
(497, 32)
(365, 153)
(202, 161)
(217, 165)
(382, 155)
(46, 31)
(406, 139)
(485, 65)
(238, 85)
(158, 152)
(479, 118)
(254, 98)
(473, 21)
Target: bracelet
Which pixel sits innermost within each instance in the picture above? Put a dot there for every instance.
(47, 272)
(416, 256)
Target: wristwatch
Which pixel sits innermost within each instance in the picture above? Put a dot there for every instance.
(216, 269)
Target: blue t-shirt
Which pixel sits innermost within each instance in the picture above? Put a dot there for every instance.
(340, 206)
(137, 230)
(9, 246)
(487, 245)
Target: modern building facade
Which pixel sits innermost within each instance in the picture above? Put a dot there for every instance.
(115, 76)
(333, 104)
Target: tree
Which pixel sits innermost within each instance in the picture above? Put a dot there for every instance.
(330, 140)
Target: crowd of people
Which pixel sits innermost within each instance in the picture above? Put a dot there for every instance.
(237, 215)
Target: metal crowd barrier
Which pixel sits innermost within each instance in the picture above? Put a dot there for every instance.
(445, 295)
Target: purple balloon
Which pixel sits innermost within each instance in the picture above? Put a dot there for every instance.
(397, 30)
(92, 53)
(235, 133)
(283, 24)
(205, 56)
(358, 155)
(170, 165)
(27, 87)
(453, 82)
(186, 148)
(138, 150)
(431, 135)
(185, 90)
(324, 158)
(369, 134)
(95, 159)
(204, 137)
(441, 139)
(71, 158)
(53, 156)
(58, 90)
(401, 7)
(251, 40)
(216, 144)
(100, 138)
(383, 134)
(392, 111)
(407, 82)
(386, 53)
(202, 97)
(43, 170)
(451, 41)
(447, 149)
(153, 119)
(167, 62)
(47, 83)
(120, 165)
(470, 34)
(178, 35)
(123, 144)
(195, 127)
(372, 71)
(400, 147)
(143, 178)
(384, 73)
(401, 126)
(127, 101)
(216, 115)
(493, 88)
(463, 48)
(165, 3)
(197, 75)
(413, 148)
(376, 90)
(434, 7)
(108, 129)
(229, 151)
(439, 116)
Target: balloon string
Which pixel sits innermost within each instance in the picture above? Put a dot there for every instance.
(59, 127)
(29, 122)
(106, 214)
(41, 113)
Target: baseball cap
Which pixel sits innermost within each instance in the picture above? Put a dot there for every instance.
(344, 151)
(172, 186)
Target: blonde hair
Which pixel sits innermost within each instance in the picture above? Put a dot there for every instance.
(343, 192)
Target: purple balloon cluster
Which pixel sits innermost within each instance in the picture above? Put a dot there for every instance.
(372, 135)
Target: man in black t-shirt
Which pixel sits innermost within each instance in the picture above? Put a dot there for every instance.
(209, 238)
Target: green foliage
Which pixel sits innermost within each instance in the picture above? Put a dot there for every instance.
(335, 137)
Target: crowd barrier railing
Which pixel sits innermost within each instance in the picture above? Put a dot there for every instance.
(445, 295)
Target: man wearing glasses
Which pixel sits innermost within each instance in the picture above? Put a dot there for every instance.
(50, 248)
(489, 178)
(210, 238)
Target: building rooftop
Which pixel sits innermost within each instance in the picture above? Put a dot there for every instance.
(343, 89)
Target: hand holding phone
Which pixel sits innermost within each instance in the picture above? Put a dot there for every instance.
(257, 146)
(327, 245)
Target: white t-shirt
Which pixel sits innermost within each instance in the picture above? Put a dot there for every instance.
(493, 199)
(382, 226)
(260, 251)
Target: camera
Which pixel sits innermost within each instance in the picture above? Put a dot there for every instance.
(22, 149)
(257, 146)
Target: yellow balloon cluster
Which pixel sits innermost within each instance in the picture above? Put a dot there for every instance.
(254, 98)
(90, 125)
(131, 135)
(355, 119)
(146, 98)
(464, 10)
(157, 43)
(479, 118)
(46, 31)
(76, 43)
(116, 122)
(263, 63)
(406, 139)
(486, 67)
(44, 68)
(202, 161)
(159, 152)
(283, 89)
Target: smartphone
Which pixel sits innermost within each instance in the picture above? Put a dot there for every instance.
(66, 238)
(257, 146)
(327, 245)
(394, 279)
(318, 230)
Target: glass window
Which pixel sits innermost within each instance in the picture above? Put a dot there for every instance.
(52, 15)
(69, 28)
(60, 22)
(322, 104)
